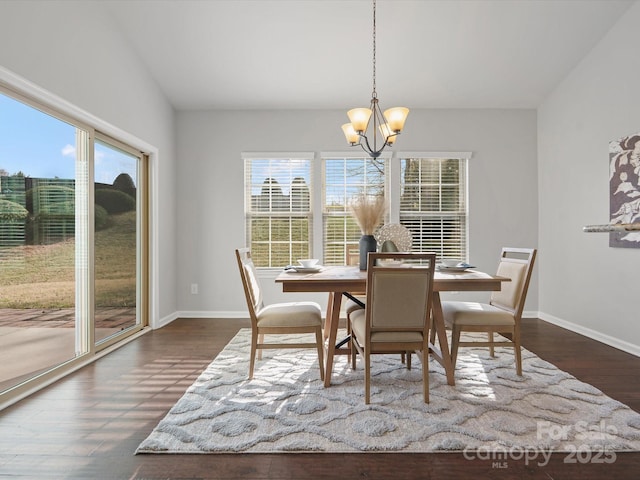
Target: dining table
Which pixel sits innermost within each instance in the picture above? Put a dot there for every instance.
(339, 281)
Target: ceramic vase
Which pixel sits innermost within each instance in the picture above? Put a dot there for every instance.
(367, 244)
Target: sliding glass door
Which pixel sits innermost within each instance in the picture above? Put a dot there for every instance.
(38, 176)
(73, 241)
(119, 231)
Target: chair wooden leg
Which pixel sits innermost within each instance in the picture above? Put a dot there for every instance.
(353, 352)
(432, 331)
(252, 361)
(517, 352)
(425, 373)
(320, 342)
(492, 351)
(367, 377)
(260, 340)
(455, 341)
(408, 360)
(352, 343)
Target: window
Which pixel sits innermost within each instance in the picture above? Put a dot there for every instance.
(344, 179)
(120, 176)
(433, 204)
(73, 240)
(278, 208)
(426, 192)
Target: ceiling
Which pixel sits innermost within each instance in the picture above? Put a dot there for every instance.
(317, 54)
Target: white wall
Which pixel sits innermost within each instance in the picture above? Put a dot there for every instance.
(503, 186)
(585, 284)
(71, 50)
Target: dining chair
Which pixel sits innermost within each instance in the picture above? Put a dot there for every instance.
(396, 316)
(391, 237)
(503, 312)
(278, 318)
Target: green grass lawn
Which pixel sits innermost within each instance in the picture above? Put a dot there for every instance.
(43, 276)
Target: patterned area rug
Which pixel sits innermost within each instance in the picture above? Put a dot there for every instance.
(286, 408)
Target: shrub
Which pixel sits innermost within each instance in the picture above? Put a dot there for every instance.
(124, 183)
(12, 211)
(47, 195)
(115, 201)
(58, 209)
(101, 218)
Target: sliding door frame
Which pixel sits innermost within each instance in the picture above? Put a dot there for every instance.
(147, 291)
(142, 243)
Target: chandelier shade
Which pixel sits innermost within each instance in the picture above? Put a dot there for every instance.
(396, 117)
(350, 133)
(387, 133)
(359, 118)
(386, 127)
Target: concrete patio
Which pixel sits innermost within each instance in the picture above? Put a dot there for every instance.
(34, 340)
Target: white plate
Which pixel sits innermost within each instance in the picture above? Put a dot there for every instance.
(307, 270)
(444, 268)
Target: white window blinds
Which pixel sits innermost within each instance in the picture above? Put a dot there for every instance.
(278, 208)
(433, 204)
(344, 179)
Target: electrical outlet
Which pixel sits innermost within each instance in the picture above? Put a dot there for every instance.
(194, 289)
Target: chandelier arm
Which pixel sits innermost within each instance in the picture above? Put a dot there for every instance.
(367, 147)
(378, 120)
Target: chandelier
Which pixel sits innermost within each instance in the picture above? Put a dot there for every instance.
(385, 126)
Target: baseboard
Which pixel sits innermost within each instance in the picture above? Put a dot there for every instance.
(217, 314)
(593, 334)
(212, 314)
(164, 321)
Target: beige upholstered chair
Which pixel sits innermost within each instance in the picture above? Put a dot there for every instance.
(277, 318)
(396, 317)
(503, 312)
(391, 237)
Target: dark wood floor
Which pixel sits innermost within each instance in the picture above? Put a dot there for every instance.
(89, 424)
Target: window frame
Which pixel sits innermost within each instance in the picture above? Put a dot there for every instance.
(392, 189)
(462, 252)
(88, 127)
(271, 214)
(350, 241)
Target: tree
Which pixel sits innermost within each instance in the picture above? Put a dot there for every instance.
(124, 183)
(299, 195)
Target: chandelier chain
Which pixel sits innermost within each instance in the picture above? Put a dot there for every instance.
(374, 94)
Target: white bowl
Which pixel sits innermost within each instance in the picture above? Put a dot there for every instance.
(389, 262)
(308, 262)
(450, 262)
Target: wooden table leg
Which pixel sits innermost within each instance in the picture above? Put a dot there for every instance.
(327, 320)
(332, 322)
(441, 331)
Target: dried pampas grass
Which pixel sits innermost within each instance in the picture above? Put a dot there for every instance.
(368, 211)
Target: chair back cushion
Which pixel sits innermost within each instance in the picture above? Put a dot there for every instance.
(509, 295)
(399, 291)
(398, 298)
(516, 264)
(253, 285)
(250, 283)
